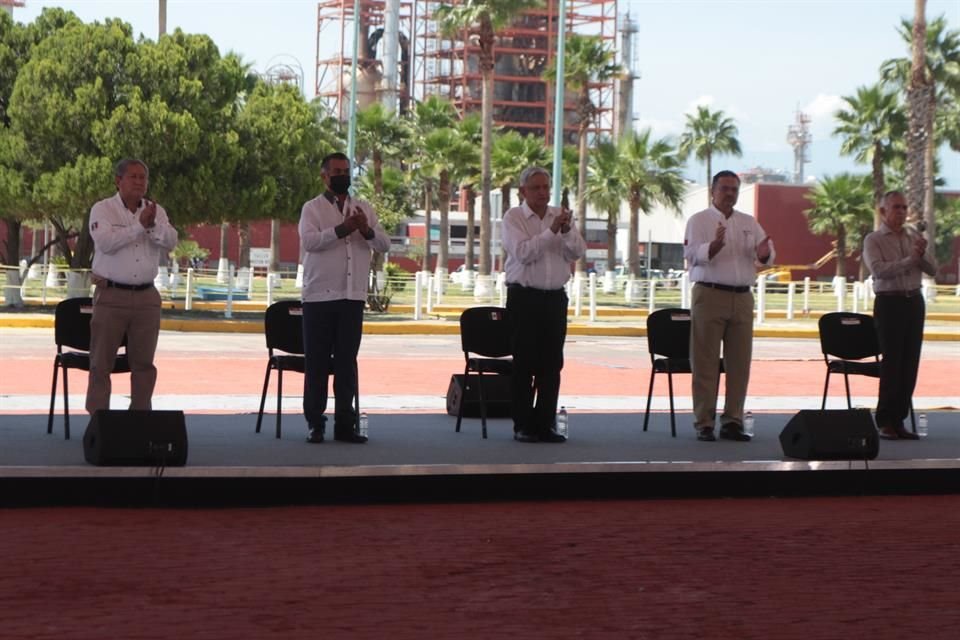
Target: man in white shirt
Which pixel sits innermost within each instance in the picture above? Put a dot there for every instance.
(130, 234)
(337, 235)
(540, 242)
(897, 258)
(723, 248)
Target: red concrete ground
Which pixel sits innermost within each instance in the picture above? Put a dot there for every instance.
(216, 373)
(873, 567)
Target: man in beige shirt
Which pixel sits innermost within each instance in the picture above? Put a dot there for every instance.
(897, 258)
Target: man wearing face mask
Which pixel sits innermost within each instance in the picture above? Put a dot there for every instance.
(337, 235)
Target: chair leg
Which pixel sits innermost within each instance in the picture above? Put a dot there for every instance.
(826, 385)
(846, 383)
(66, 408)
(483, 405)
(279, 399)
(673, 420)
(463, 398)
(913, 417)
(53, 396)
(646, 416)
(263, 398)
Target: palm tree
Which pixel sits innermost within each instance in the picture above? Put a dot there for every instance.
(873, 127)
(381, 136)
(431, 113)
(512, 153)
(931, 78)
(841, 205)
(443, 151)
(708, 132)
(483, 18)
(587, 61)
(470, 130)
(605, 190)
(650, 172)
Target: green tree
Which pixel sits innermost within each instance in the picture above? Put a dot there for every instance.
(587, 61)
(432, 113)
(931, 77)
(606, 191)
(650, 173)
(708, 133)
(512, 153)
(872, 126)
(444, 151)
(483, 18)
(841, 206)
(470, 132)
(381, 136)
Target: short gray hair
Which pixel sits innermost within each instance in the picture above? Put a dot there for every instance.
(121, 167)
(529, 172)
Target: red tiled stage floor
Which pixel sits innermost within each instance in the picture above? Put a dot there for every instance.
(869, 567)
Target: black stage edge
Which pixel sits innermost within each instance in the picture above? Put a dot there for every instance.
(278, 491)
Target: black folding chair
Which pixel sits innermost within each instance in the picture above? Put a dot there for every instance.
(668, 341)
(72, 331)
(485, 333)
(850, 346)
(283, 327)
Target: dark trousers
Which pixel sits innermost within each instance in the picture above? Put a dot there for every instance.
(539, 328)
(900, 331)
(331, 328)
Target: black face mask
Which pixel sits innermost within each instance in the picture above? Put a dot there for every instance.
(340, 184)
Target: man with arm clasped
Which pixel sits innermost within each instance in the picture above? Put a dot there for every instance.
(540, 242)
(722, 247)
(897, 259)
(337, 234)
(130, 234)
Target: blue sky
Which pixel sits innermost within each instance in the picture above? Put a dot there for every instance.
(758, 60)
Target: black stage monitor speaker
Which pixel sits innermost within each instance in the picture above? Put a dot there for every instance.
(136, 438)
(496, 391)
(836, 434)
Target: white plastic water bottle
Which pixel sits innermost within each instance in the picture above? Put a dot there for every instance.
(563, 422)
(363, 425)
(748, 423)
(922, 425)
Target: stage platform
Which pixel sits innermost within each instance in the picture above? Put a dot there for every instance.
(419, 457)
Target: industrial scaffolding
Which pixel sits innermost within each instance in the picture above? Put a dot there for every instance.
(432, 64)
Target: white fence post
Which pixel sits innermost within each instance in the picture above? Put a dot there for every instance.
(593, 297)
(417, 294)
(791, 292)
(761, 299)
(188, 293)
(806, 296)
(651, 295)
(228, 309)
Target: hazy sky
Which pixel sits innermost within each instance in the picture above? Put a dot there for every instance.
(758, 60)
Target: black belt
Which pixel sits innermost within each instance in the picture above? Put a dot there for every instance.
(724, 287)
(129, 287)
(520, 287)
(912, 293)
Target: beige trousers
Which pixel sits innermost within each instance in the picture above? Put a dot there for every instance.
(720, 318)
(117, 312)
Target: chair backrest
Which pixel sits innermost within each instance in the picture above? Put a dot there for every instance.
(668, 333)
(71, 323)
(849, 336)
(283, 326)
(485, 331)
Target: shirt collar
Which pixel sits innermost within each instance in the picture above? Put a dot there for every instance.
(528, 212)
(886, 230)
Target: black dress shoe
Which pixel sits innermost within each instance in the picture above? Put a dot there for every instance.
(705, 434)
(315, 434)
(348, 435)
(525, 436)
(551, 436)
(903, 434)
(733, 431)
